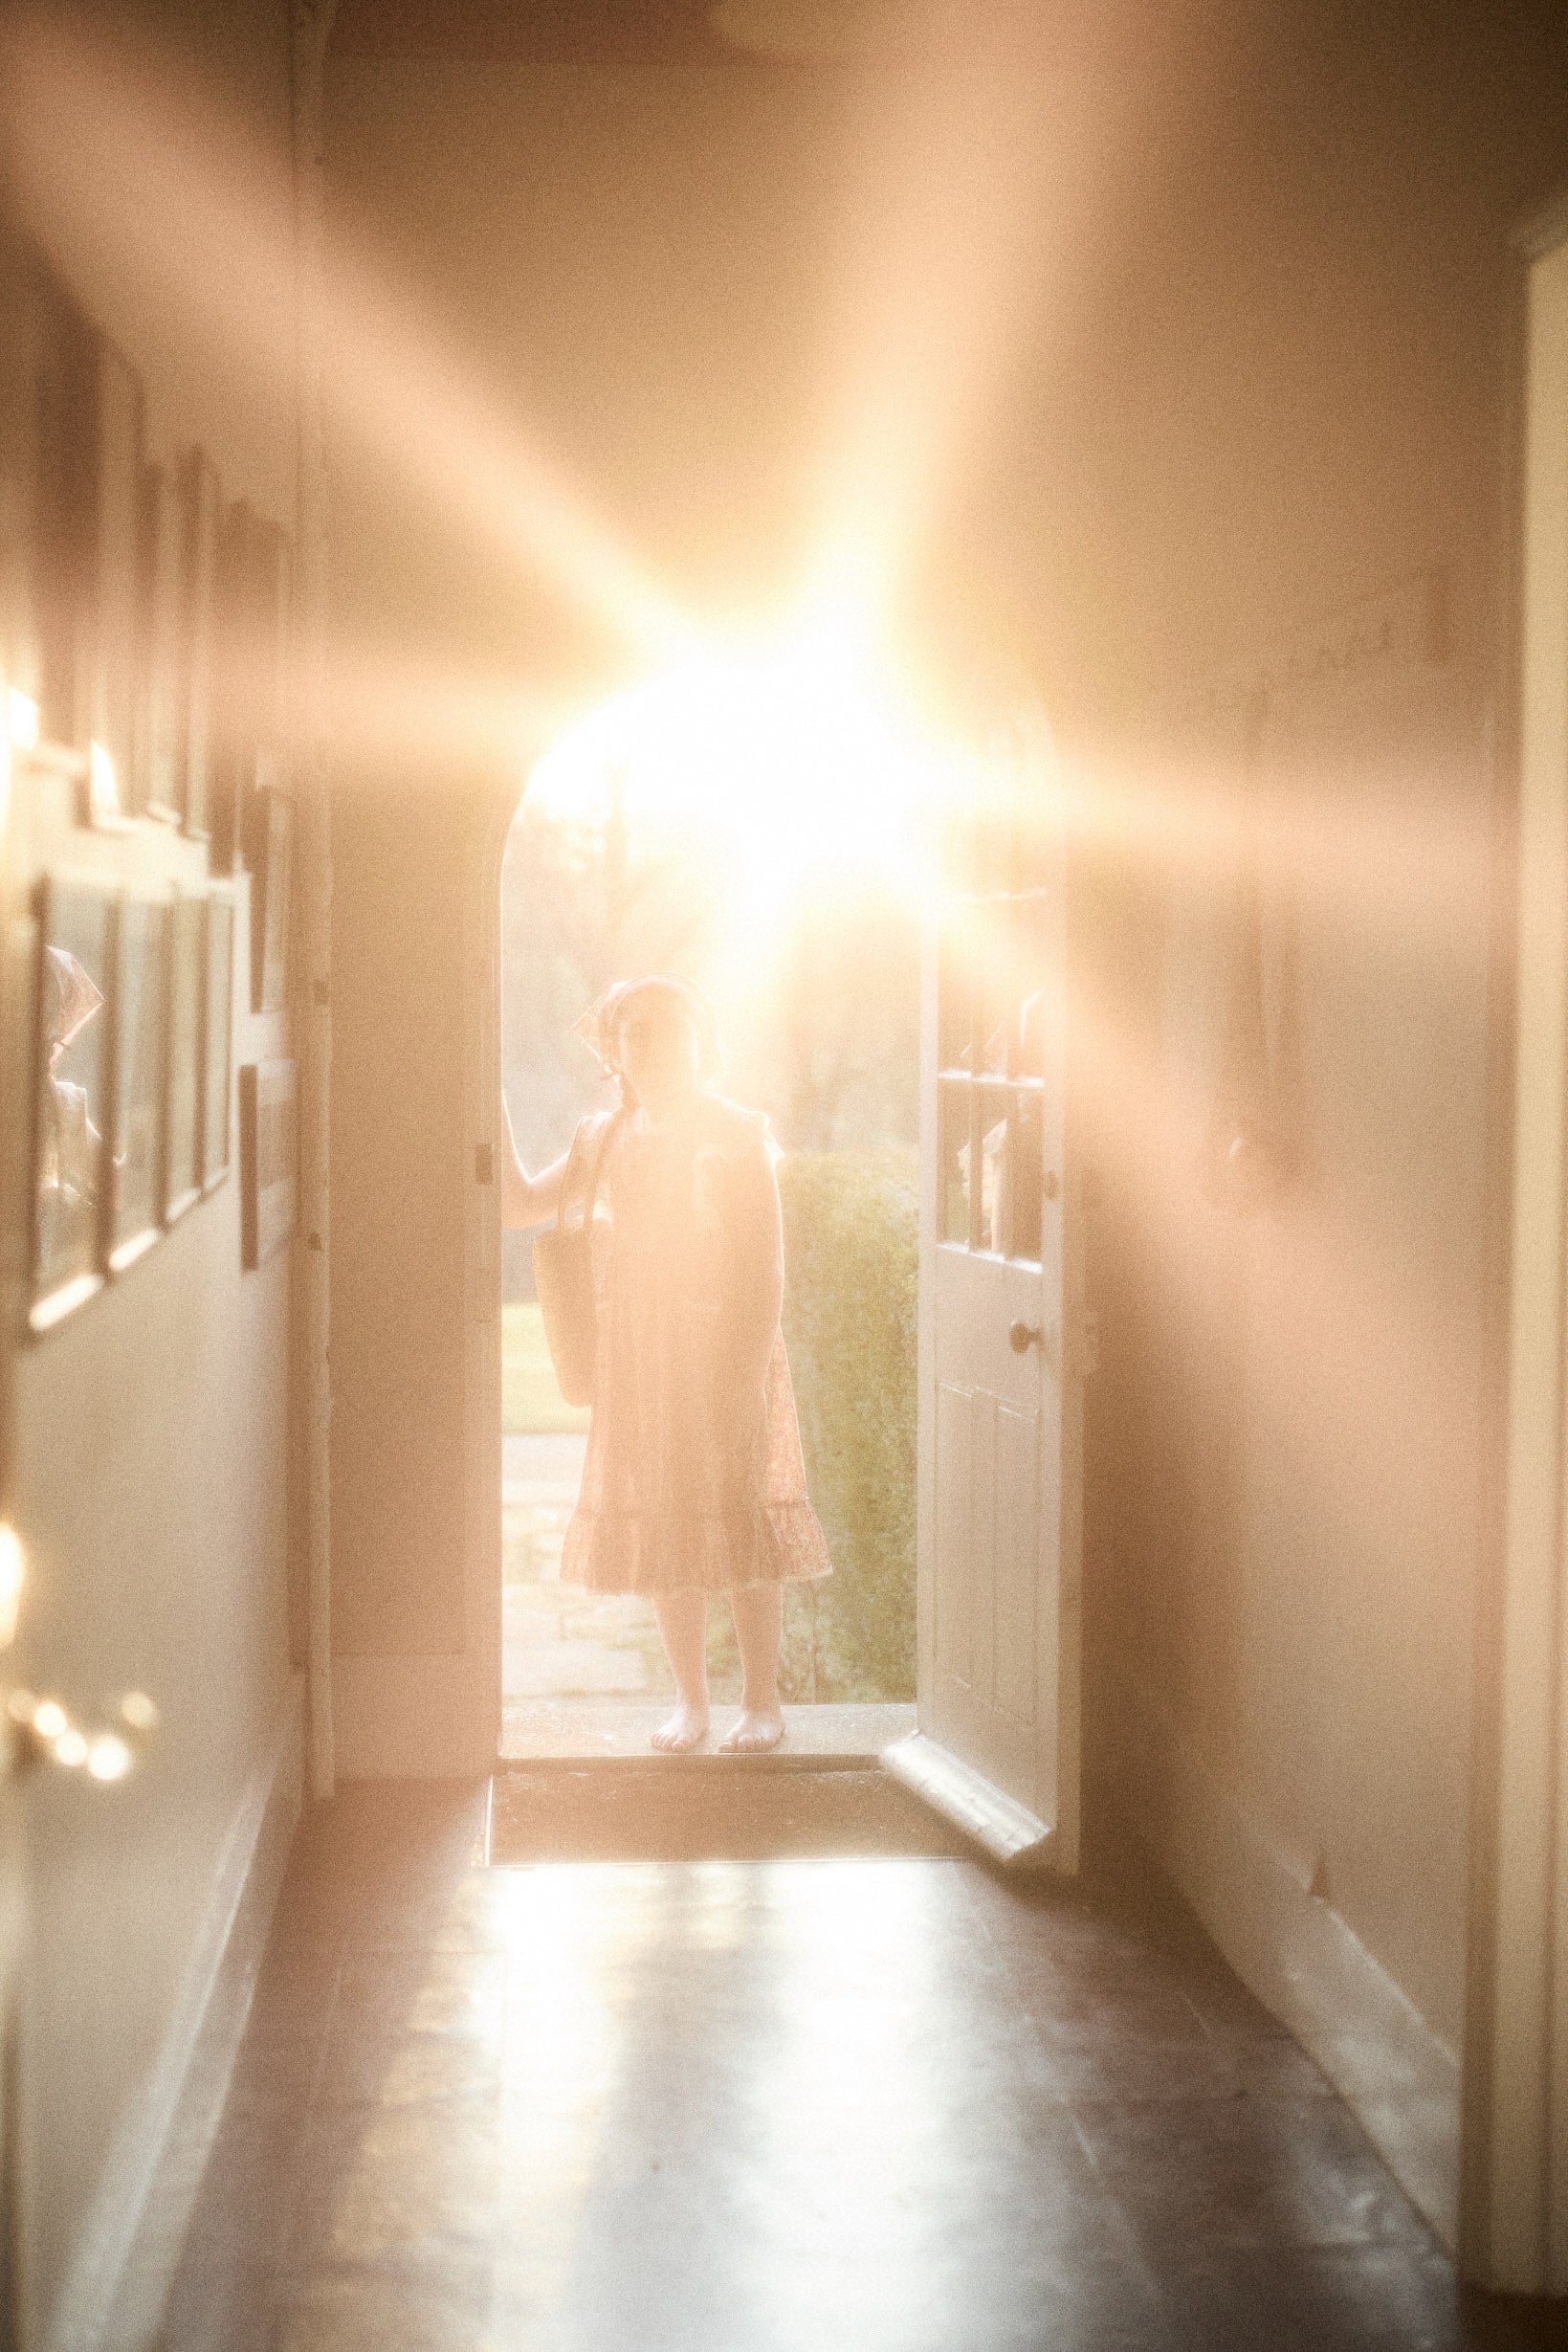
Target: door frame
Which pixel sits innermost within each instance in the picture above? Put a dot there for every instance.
(1514, 2197)
(482, 1147)
(998, 1823)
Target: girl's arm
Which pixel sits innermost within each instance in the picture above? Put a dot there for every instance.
(527, 1200)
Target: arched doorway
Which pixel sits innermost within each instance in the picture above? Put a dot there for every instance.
(993, 1441)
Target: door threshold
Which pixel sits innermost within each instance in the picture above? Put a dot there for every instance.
(617, 1731)
(1007, 1831)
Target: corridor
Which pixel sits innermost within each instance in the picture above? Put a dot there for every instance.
(897, 2104)
(1011, 558)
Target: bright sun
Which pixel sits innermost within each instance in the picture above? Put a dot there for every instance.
(798, 757)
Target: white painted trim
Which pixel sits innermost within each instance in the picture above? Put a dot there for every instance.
(126, 2259)
(310, 24)
(437, 1715)
(1006, 1830)
(925, 1337)
(1518, 2223)
(1399, 2079)
(412, 1719)
(482, 1263)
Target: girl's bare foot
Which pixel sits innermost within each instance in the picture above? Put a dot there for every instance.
(686, 1729)
(755, 1731)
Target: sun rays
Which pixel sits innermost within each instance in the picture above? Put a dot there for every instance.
(804, 748)
(112, 155)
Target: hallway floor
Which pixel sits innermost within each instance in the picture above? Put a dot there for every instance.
(888, 2104)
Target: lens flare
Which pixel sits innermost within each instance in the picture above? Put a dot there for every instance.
(11, 1574)
(796, 760)
(108, 1757)
(111, 154)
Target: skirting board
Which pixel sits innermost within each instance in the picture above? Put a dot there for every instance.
(114, 2297)
(967, 1799)
(1399, 2079)
(415, 1718)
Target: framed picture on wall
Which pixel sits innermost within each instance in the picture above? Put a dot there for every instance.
(253, 571)
(232, 774)
(272, 858)
(162, 562)
(29, 314)
(136, 1128)
(270, 566)
(71, 1081)
(268, 1124)
(217, 1024)
(200, 502)
(62, 506)
(183, 1055)
(114, 572)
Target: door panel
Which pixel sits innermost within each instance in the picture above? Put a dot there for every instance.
(1016, 1680)
(955, 1517)
(1000, 1355)
(988, 1552)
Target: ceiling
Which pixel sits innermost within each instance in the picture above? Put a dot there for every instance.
(543, 31)
(680, 31)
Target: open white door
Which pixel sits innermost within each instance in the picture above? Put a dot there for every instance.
(1003, 1344)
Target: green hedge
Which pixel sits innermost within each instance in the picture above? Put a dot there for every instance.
(851, 1258)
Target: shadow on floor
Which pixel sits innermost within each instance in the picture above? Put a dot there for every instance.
(711, 1809)
(899, 2104)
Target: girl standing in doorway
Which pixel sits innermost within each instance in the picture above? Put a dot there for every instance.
(693, 1482)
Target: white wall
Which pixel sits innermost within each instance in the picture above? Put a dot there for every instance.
(1295, 1435)
(151, 1473)
(1256, 378)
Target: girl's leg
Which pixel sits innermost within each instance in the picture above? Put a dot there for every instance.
(683, 1629)
(757, 1611)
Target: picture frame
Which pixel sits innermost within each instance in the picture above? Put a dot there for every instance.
(68, 1160)
(183, 1074)
(158, 792)
(253, 573)
(217, 1037)
(270, 565)
(30, 314)
(62, 517)
(233, 766)
(271, 900)
(201, 503)
(115, 566)
(138, 999)
(268, 1153)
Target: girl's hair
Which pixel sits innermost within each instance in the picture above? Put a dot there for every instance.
(598, 1027)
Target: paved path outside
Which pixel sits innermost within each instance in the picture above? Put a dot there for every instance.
(583, 1673)
(557, 1641)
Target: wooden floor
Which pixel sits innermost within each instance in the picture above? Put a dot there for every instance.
(883, 2104)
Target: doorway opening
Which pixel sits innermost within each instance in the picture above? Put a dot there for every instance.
(759, 824)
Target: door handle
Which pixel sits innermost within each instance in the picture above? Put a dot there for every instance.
(1022, 1337)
